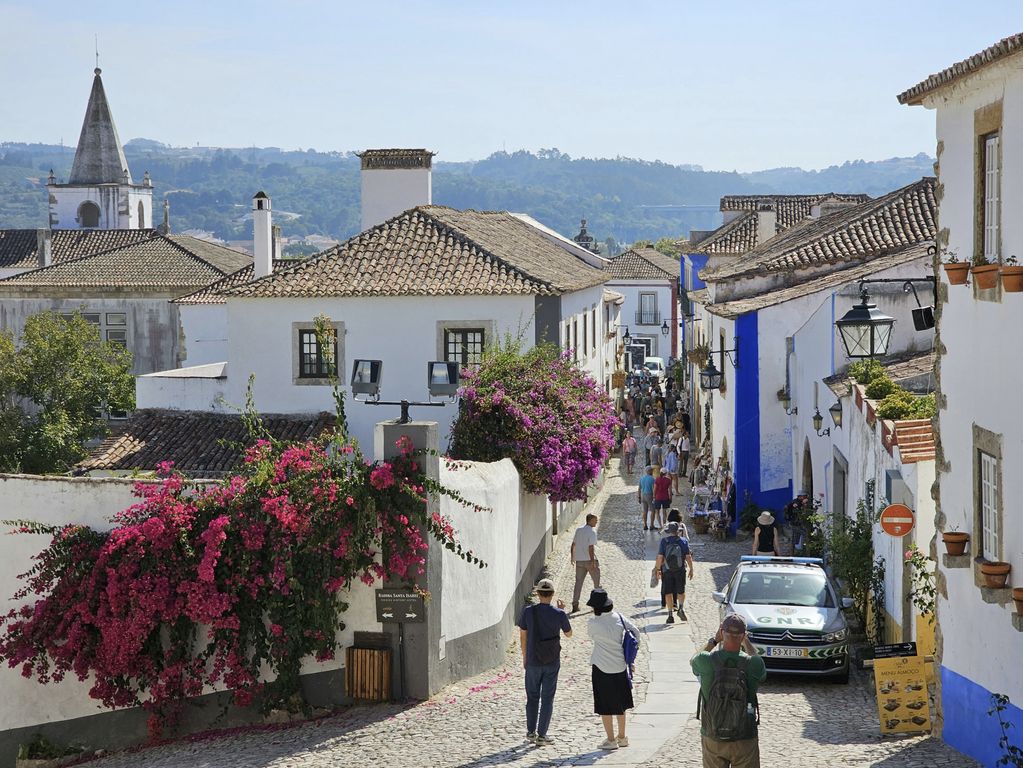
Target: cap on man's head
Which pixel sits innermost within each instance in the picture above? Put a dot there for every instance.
(545, 586)
(734, 622)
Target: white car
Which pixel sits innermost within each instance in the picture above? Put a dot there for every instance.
(793, 612)
(655, 365)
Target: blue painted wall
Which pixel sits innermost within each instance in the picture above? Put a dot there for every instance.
(747, 425)
(698, 262)
(968, 727)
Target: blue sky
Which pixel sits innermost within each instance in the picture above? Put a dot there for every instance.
(743, 85)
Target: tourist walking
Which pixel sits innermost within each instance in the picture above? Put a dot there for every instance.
(645, 496)
(610, 675)
(673, 555)
(683, 454)
(669, 466)
(656, 453)
(662, 498)
(584, 554)
(728, 710)
(629, 447)
(765, 536)
(540, 628)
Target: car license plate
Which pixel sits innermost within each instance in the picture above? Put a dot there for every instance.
(788, 653)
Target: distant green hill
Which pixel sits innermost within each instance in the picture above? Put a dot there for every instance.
(623, 198)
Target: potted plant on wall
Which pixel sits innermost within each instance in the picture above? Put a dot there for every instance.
(995, 573)
(1012, 276)
(956, 271)
(1017, 597)
(699, 355)
(985, 274)
(955, 541)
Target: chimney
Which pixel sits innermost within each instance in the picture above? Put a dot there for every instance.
(262, 243)
(44, 247)
(394, 180)
(767, 220)
(829, 205)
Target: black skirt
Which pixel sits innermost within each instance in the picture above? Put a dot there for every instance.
(612, 694)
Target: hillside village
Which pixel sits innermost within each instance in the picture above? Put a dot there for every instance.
(825, 349)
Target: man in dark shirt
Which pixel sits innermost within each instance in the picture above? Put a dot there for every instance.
(540, 627)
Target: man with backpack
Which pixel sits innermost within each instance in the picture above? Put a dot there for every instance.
(673, 555)
(540, 628)
(728, 710)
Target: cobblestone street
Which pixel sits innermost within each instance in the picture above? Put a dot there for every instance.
(480, 721)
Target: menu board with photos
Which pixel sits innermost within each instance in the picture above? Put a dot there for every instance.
(900, 683)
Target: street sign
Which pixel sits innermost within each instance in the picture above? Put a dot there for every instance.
(893, 650)
(400, 606)
(897, 520)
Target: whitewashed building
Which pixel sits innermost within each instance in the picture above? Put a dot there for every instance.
(649, 283)
(978, 106)
(796, 284)
(430, 284)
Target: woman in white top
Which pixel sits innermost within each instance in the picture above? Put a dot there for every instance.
(612, 686)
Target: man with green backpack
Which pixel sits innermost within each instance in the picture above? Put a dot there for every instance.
(727, 708)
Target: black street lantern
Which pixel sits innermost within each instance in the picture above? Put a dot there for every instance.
(710, 377)
(865, 331)
(625, 336)
(818, 422)
(836, 413)
(664, 328)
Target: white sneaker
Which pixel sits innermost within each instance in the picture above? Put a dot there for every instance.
(609, 744)
(623, 741)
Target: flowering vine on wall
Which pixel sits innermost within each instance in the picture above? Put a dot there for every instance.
(229, 585)
(540, 410)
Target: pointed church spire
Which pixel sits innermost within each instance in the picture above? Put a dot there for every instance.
(100, 157)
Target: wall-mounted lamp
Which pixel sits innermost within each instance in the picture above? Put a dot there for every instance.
(786, 401)
(818, 422)
(866, 331)
(625, 336)
(442, 380)
(710, 377)
(664, 328)
(836, 413)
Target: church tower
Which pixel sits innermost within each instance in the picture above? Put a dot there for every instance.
(99, 193)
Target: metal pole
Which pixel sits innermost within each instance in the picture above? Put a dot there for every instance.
(401, 658)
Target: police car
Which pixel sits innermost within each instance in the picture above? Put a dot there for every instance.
(793, 614)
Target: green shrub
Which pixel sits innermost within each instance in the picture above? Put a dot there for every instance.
(880, 387)
(865, 371)
(905, 405)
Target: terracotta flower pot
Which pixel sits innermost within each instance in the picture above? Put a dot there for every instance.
(955, 542)
(1017, 596)
(995, 573)
(1012, 279)
(985, 276)
(957, 272)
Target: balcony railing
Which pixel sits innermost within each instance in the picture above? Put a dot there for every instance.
(648, 317)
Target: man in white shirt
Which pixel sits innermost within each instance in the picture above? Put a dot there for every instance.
(584, 555)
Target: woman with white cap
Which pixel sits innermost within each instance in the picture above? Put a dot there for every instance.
(765, 536)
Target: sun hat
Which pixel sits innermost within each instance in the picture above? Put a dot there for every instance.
(765, 518)
(599, 599)
(545, 585)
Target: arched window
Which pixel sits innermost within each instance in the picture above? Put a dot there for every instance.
(88, 215)
(142, 216)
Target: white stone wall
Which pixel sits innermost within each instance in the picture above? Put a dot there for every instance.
(505, 538)
(118, 206)
(204, 333)
(591, 355)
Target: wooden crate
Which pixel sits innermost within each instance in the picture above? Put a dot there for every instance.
(368, 673)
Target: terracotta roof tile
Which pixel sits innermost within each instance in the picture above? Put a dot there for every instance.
(640, 263)
(435, 251)
(201, 444)
(18, 247)
(158, 262)
(213, 293)
(998, 51)
(901, 218)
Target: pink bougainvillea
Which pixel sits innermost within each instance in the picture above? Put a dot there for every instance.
(541, 411)
(210, 585)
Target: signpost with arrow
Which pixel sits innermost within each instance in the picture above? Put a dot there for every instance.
(401, 607)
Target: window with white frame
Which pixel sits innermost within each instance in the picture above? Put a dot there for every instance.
(991, 201)
(989, 505)
(112, 326)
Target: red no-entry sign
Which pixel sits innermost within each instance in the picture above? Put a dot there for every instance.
(897, 520)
